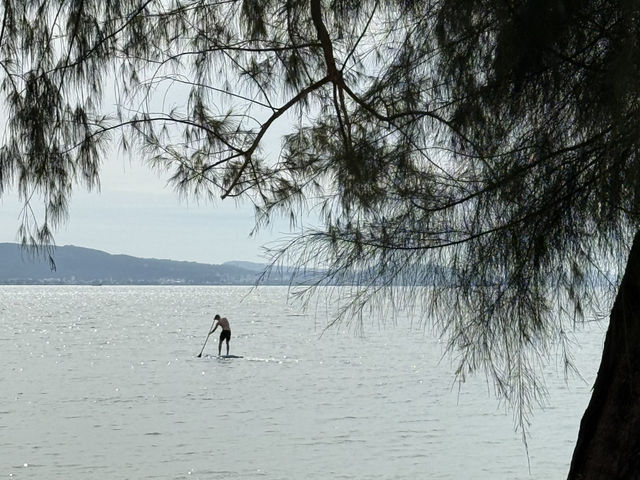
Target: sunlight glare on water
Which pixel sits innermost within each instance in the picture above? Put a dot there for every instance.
(104, 382)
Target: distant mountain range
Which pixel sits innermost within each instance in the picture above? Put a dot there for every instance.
(85, 266)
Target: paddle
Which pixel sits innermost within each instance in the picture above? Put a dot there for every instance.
(205, 340)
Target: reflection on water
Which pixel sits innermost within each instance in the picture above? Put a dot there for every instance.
(103, 382)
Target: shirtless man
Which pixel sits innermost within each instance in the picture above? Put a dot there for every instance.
(225, 334)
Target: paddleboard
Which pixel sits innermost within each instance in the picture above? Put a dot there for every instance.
(230, 356)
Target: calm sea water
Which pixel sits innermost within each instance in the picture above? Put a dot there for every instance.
(103, 382)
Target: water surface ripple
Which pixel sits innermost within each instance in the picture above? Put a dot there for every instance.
(103, 382)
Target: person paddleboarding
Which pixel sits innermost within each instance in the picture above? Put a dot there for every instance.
(225, 334)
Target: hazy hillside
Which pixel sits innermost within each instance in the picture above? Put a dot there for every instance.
(85, 266)
(76, 265)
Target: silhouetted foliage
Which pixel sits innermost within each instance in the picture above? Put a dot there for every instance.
(497, 138)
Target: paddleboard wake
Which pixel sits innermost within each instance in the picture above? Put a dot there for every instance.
(222, 357)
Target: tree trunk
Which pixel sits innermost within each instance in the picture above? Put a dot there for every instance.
(608, 445)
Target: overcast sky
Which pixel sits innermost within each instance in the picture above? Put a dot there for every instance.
(135, 213)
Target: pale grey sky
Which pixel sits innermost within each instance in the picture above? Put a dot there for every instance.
(135, 213)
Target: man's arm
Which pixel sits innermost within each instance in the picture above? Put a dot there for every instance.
(214, 328)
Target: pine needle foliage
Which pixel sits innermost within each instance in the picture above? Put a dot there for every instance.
(472, 159)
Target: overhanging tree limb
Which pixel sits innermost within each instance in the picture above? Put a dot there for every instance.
(265, 126)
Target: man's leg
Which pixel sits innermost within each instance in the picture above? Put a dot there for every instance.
(219, 347)
(227, 347)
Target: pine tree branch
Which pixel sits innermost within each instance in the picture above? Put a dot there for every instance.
(265, 126)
